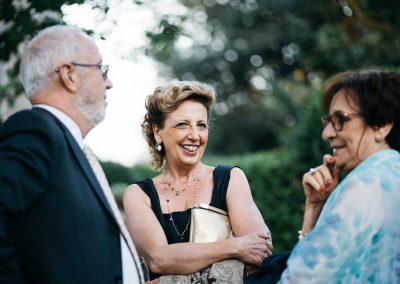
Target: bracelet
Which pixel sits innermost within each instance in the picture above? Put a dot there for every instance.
(301, 234)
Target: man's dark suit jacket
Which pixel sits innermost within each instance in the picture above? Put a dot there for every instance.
(55, 223)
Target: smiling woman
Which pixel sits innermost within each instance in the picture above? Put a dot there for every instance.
(351, 229)
(163, 109)
(176, 129)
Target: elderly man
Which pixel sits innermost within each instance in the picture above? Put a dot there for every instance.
(58, 223)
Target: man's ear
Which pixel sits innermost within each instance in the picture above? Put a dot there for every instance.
(69, 78)
(156, 131)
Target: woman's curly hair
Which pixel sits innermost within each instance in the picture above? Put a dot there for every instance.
(165, 100)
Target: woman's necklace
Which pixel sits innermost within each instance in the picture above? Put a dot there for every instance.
(177, 190)
(196, 181)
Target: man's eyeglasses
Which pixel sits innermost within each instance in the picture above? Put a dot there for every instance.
(102, 67)
(337, 119)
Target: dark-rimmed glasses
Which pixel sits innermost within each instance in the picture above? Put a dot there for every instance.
(337, 119)
(102, 67)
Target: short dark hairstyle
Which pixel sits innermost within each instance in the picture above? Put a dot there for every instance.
(376, 93)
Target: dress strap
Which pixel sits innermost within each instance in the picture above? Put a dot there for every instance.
(221, 175)
(148, 187)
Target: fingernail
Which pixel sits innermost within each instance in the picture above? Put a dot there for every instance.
(329, 181)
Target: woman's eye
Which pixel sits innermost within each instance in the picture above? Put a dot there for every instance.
(181, 125)
(342, 118)
(203, 125)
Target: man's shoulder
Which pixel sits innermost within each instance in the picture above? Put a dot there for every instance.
(32, 124)
(30, 118)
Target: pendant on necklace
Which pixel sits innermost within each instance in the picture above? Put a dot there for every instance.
(177, 193)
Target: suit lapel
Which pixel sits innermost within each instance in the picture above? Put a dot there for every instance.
(87, 169)
(95, 185)
(82, 160)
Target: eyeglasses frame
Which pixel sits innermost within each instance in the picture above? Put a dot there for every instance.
(102, 67)
(345, 117)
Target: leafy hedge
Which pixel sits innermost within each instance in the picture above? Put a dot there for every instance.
(276, 189)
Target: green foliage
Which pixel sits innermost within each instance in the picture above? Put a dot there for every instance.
(275, 176)
(252, 51)
(20, 21)
(265, 59)
(256, 121)
(276, 187)
(306, 138)
(162, 41)
(117, 173)
(143, 171)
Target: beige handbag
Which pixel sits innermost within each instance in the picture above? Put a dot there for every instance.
(209, 224)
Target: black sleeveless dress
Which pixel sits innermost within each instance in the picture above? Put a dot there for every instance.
(221, 176)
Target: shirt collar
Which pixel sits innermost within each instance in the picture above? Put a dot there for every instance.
(67, 121)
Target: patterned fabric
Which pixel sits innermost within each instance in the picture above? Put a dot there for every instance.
(230, 271)
(357, 236)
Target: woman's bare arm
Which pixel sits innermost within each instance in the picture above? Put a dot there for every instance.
(182, 258)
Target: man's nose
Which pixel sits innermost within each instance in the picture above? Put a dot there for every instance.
(109, 84)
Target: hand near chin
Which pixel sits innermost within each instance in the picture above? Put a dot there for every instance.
(319, 182)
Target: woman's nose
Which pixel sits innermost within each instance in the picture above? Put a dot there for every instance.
(328, 132)
(194, 134)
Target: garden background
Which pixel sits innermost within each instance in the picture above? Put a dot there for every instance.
(267, 60)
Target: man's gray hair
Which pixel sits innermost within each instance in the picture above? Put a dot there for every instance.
(52, 46)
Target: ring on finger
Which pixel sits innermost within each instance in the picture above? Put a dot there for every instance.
(312, 171)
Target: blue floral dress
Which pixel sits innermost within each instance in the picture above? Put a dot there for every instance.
(357, 236)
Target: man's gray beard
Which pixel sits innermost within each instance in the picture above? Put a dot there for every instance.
(95, 114)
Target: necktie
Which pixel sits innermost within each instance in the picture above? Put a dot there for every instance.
(101, 177)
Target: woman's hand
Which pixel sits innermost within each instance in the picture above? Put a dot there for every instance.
(253, 248)
(318, 185)
(320, 182)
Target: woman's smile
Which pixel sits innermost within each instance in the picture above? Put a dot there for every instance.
(190, 148)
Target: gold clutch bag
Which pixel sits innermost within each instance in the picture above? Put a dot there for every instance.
(209, 224)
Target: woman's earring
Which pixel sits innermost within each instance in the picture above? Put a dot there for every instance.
(158, 147)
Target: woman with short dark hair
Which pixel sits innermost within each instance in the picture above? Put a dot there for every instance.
(351, 228)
